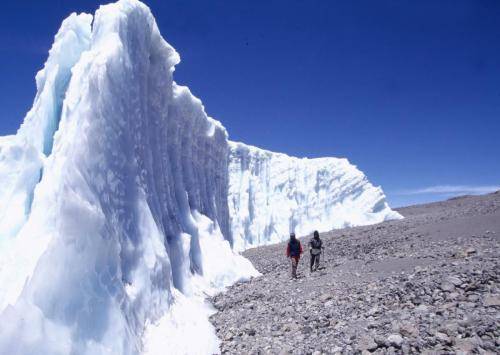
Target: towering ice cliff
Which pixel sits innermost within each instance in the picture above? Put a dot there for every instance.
(273, 194)
(120, 199)
(114, 220)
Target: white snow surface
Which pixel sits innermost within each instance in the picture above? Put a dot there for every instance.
(123, 205)
(273, 194)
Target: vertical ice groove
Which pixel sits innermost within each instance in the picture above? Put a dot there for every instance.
(272, 194)
(42, 120)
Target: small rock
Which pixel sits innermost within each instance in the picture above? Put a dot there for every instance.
(422, 309)
(467, 305)
(447, 286)
(449, 328)
(466, 345)
(381, 341)
(328, 303)
(443, 338)
(337, 349)
(307, 329)
(395, 340)
(325, 297)
(367, 343)
(408, 330)
(454, 280)
(470, 251)
(373, 311)
(289, 327)
(492, 301)
(286, 350)
(228, 336)
(473, 298)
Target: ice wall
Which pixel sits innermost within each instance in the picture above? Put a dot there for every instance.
(126, 182)
(272, 194)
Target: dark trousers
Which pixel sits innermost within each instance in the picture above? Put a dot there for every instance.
(295, 262)
(314, 261)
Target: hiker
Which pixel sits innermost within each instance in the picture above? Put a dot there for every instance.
(293, 251)
(315, 248)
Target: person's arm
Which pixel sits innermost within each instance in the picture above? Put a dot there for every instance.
(300, 247)
(288, 250)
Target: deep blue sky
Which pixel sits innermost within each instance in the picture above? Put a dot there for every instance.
(409, 91)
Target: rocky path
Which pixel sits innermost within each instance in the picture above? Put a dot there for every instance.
(427, 283)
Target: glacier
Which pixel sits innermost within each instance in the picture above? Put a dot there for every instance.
(119, 179)
(123, 205)
(272, 194)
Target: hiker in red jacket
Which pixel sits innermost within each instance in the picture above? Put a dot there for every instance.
(293, 251)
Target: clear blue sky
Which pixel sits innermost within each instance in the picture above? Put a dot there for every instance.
(409, 91)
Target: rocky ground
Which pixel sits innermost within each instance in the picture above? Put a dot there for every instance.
(426, 284)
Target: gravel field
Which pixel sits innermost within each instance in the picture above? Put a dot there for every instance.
(426, 284)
